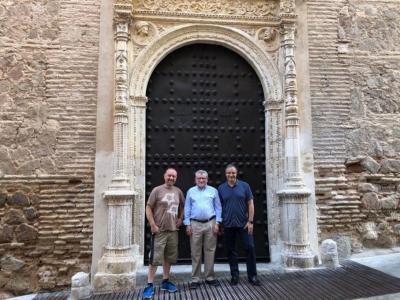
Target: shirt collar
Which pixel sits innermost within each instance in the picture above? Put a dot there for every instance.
(201, 189)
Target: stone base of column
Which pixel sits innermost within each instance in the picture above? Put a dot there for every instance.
(116, 273)
(110, 283)
(300, 260)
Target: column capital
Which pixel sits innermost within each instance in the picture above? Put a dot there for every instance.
(139, 101)
(123, 11)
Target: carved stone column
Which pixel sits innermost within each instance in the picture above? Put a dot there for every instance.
(117, 267)
(294, 196)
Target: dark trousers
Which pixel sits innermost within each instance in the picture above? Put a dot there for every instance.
(248, 242)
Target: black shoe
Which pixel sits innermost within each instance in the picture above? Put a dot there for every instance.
(212, 282)
(194, 285)
(254, 281)
(234, 280)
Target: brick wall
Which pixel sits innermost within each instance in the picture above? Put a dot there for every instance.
(355, 90)
(48, 91)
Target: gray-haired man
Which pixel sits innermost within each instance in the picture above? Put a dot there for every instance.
(202, 218)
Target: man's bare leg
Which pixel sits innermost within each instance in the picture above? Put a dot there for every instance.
(151, 274)
(166, 269)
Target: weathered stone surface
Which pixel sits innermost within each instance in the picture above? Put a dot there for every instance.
(4, 278)
(14, 217)
(390, 166)
(370, 165)
(3, 199)
(6, 233)
(47, 277)
(329, 254)
(370, 201)
(390, 202)
(18, 199)
(366, 187)
(396, 229)
(10, 263)
(5, 295)
(80, 286)
(30, 213)
(26, 233)
(80, 279)
(19, 284)
(343, 246)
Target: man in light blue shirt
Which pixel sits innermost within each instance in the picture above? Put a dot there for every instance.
(202, 219)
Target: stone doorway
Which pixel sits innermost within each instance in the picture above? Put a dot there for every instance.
(205, 110)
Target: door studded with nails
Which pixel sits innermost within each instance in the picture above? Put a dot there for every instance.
(205, 110)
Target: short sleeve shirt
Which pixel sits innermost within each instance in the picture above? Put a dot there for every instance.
(234, 202)
(165, 202)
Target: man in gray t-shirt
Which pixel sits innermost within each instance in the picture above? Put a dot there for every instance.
(164, 212)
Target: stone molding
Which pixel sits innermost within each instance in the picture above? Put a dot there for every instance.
(222, 8)
(229, 37)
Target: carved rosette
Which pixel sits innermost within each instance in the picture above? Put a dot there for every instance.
(294, 196)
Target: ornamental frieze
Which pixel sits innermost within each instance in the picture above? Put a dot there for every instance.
(249, 8)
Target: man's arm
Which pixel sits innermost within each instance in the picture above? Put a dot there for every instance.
(150, 219)
(249, 225)
(188, 211)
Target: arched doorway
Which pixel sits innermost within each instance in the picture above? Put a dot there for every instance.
(206, 110)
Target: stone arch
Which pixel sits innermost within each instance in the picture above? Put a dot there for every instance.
(271, 80)
(231, 38)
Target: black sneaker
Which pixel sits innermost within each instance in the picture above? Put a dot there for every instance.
(254, 281)
(212, 282)
(234, 280)
(194, 285)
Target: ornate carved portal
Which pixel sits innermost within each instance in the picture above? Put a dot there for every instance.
(263, 33)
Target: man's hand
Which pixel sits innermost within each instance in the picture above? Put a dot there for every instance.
(189, 230)
(216, 228)
(154, 228)
(249, 228)
(178, 222)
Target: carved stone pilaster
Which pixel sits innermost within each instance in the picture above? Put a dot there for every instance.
(137, 158)
(117, 267)
(294, 196)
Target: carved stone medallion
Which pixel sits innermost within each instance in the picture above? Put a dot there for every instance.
(143, 32)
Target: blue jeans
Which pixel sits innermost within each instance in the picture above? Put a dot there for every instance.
(248, 242)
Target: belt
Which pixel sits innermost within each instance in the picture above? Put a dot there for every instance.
(204, 221)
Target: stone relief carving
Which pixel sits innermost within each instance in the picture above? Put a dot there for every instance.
(288, 6)
(254, 8)
(143, 32)
(270, 36)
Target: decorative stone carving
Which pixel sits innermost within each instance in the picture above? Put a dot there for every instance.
(270, 36)
(143, 32)
(253, 8)
(294, 196)
(117, 267)
(287, 7)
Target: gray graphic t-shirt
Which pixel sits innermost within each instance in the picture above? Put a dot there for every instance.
(165, 202)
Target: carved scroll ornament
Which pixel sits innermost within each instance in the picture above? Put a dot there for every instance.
(253, 8)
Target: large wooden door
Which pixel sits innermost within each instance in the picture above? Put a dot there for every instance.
(205, 110)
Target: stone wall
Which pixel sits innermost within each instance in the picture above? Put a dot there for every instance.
(48, 91)
(355, 68)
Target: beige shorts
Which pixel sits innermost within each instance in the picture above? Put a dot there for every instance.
(163, 244)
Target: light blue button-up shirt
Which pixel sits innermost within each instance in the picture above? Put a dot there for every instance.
(202, 204)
